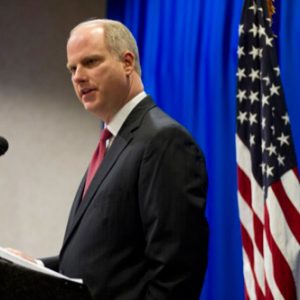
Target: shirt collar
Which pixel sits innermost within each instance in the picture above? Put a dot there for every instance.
(118, 120)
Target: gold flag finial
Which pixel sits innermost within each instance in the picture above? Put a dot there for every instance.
(271, 8)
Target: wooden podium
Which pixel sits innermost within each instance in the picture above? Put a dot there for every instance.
(20, 283)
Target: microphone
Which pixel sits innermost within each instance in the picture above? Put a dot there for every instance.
(3, 145)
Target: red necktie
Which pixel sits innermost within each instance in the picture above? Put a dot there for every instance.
(97, 158)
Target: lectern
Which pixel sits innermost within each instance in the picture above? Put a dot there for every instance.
(20, 283)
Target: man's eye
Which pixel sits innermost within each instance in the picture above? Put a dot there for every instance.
(91, 62)
(72, 70)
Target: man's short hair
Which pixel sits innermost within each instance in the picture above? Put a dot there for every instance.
(117, 37)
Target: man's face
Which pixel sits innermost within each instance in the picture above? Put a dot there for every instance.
(100, 79)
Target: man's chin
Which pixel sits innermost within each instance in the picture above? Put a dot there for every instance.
(89, 106)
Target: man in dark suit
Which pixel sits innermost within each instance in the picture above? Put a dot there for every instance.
(138, 230)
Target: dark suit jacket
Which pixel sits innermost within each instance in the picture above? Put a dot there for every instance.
(140, 232)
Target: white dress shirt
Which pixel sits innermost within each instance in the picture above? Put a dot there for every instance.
(118, 120)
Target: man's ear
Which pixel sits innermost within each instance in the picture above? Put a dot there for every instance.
(128, 61)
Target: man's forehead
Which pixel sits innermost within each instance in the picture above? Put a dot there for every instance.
(86, 36)
(87, 30)
(85, 43)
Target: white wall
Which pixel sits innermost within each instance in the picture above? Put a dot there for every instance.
(51, 137)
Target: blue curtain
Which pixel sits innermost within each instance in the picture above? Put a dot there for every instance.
(188, 56)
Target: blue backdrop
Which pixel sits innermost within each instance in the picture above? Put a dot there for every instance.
(188, 56)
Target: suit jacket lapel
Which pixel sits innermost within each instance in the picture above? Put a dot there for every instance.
(75, 205)
(120, 142)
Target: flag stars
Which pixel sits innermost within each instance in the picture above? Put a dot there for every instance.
(242, 117)
(265, 100)
(241, 95)
(274, 90)
(269, 41)
(267, 80)
(253, 97)
(241, 29)
(283, 139)
(286, 119)
(269, 171)
(273, 129)
(263, 168)
(240, 52)
(254, 8)
(241, 73)
(254, 30)
(254, 52)
(262, 122)
(254, 74)
(252, 118)
(280, 160)
(269, 20)
(271, 149)
(277, 70)
(273, 111)
(261, 31)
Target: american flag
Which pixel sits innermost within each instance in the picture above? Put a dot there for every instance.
(268, 180)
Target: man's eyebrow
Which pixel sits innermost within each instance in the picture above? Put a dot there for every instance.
(92, 56)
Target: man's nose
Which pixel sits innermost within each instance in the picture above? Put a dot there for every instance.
(79, 75)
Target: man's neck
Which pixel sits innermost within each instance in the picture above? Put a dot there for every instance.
(135, 87)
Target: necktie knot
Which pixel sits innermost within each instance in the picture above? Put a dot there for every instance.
(105, 135)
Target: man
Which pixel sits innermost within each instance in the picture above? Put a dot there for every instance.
(137, 229)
